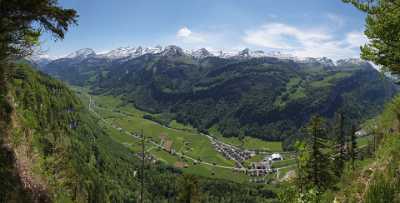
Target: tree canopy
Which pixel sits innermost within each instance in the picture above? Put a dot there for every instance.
(22, 22)
(383, 32)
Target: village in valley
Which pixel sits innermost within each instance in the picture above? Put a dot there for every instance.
(256, 170)
(238, 155)
(259, 165)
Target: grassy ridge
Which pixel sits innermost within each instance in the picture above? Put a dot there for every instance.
(248, 142)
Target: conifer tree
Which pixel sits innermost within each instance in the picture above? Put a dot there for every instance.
(382, 30)
(22, 22)
(319, 167)
(302, 155)
(189, 192)
(353, 146)
(340, 143)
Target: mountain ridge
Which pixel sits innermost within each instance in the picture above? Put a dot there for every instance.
(127, 53)
(264, 97)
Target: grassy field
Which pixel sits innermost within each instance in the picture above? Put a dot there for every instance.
(327, 81)
(284, 171)
(284, 163)
(363, 141)
(248, 142)
(185, 139)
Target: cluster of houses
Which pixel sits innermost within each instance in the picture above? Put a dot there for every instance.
(256, 169)
(232, 153)
(264, 167)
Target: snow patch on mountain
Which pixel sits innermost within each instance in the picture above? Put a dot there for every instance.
(126, 53)
(82, 54)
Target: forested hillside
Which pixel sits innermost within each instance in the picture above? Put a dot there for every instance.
(61, 154)
(378, 179)
(58, 148)
(264, 97)
(342, 169)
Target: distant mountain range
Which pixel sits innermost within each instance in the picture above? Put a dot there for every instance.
(126, 53)
(265, 95)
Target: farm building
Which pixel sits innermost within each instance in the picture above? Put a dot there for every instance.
(275, 157)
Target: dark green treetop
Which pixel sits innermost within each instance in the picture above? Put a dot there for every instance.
(22, 22)
(383, 32)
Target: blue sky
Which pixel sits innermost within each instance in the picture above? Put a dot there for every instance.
(299, 27)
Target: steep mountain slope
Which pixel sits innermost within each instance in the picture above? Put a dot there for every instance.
(58, 149)
(377, 179)
(243, 94)
(57, 153)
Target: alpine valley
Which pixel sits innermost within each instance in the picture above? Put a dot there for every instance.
(167, 124)
(269, 96)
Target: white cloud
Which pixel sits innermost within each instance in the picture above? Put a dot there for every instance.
(305, 42)
(281, 36)
(317, 41)
(356, 39)
(184, 32)
(187, 36)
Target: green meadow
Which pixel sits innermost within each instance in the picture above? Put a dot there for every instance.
(185, 139)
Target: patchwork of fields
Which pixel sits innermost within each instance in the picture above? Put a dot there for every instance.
(193, 151)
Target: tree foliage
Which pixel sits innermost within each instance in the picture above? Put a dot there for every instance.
(22, 22)
(383, 32)
(315, 172)
(353, 151)
(319, 166)
(189, 190)
(340, 144)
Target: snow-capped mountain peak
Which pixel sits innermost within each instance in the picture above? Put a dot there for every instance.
(121, 52)
(172, 50)
(82, 53)
(201, 53)
(153, 50)
(350, 61)
(40, 59)
(126, 53)
(244, 53)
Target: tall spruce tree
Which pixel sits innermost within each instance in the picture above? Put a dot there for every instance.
(340, 143)
(189, 190)
(353, 146)
(302, 155)
(383, 32)
(21, 23)
(319, 167)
